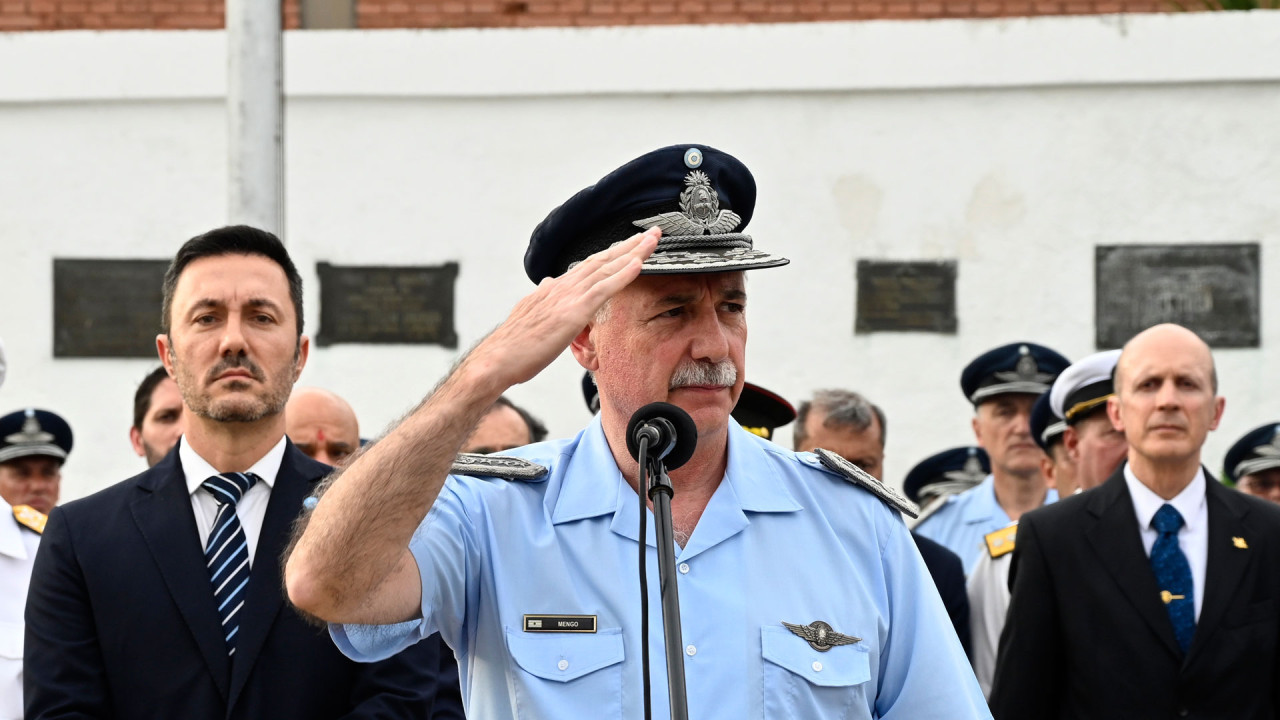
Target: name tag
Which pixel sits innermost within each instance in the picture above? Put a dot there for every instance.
(560, 623)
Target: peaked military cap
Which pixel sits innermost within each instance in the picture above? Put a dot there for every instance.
(34, 432)
(1083, 388)
(947, 473)
(702, 199)
(762, 411)
(1015, 368)
(1258, 450)
(1046, 427)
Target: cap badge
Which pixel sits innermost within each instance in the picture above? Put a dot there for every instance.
(700, 211)
(692, 158)
(1025, 371)
(1270, 449)
(971, 472)
(820, 636)
(31, 434)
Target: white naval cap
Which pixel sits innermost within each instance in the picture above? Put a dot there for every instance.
(1083, 386)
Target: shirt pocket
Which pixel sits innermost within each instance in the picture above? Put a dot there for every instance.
(567, 675)
(11, 669)
(801, 682)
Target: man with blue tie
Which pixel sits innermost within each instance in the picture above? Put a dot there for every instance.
(160, 596)
(1154, 595)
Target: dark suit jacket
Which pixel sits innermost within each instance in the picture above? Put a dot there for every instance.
(1088, 637)
(121, 621)
(948, 575)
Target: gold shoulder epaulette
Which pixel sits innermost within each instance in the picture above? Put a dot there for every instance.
(1001, 541)
(30, 517)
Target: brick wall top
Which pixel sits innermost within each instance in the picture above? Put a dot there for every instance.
(17, 15)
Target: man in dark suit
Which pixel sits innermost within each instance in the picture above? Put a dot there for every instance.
(161, 596)
(1154, 595)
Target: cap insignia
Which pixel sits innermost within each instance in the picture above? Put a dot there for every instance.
(972, 470)
(1271, 449)
(699, 214)
(1025, 371)
(31, 433)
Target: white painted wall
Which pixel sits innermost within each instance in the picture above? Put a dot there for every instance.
(1014, 146)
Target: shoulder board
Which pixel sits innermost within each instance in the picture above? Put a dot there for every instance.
(931, 506)
(30, 518)
(499, 466)
(857, 476)
(1001, 541)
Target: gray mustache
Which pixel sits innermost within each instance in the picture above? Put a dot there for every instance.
(723, 373)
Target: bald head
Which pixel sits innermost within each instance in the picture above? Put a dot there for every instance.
(322, 425)
(1166, 400)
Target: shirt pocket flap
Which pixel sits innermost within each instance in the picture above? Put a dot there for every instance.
(565, 656)
(11, 641)
(840, 666)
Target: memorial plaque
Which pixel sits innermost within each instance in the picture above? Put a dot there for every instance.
(906, 296)
(107, 308)
(387, 305)
(1211, 289)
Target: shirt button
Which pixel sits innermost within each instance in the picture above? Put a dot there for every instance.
(817, 666)
(684, 568)
(690, 650)
(563, 664)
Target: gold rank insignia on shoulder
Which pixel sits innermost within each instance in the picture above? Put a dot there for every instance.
(820, 636)
(30, 518)
(1001, 542)
(1240, 543)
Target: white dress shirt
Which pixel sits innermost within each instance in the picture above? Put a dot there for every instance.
(17, 554)
(251, 508)
(1193, 538)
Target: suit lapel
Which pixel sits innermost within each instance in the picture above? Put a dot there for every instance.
(264, 597)
(1225, 564)
(163, 514)
(1117, 543)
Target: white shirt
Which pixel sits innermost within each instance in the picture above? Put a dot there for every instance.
(988, 588)
(1193, 538)
(251, 508)
(17, 555)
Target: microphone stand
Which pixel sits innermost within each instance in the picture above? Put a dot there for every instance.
(660, 491)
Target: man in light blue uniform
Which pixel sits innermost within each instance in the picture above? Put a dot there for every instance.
(801, 592)
(1002, 384)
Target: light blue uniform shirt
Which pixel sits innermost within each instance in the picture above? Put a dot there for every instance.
(966, 518)
(780, 539)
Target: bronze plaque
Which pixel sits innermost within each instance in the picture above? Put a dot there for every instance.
(387, 305)
(1211, 289)
(906, 296)
(107, 308)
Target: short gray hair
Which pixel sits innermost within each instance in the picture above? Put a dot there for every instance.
(843, 409)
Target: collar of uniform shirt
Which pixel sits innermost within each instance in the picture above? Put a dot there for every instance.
(1190, 503)
(197, 469)
(11, 544)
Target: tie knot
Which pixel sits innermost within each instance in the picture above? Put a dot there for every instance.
(229, 487)
(1167, 519)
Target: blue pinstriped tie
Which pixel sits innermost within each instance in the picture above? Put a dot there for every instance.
(227, 552)
(1173, 574)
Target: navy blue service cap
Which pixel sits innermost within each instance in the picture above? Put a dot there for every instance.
(947, 473)
(702, 199)
(34, 432)
(1258, 450)
(1046, 427)
(762, 411)
(1014, 368)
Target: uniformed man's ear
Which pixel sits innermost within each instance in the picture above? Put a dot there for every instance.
(1113, 413)
(584, 349)
(1071, 441)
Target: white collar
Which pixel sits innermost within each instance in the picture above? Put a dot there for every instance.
(197, 469)
(1146, 502)
(11, 534)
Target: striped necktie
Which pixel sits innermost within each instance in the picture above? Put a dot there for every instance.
(227, 552)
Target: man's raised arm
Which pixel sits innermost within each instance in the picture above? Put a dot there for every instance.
(352, 563)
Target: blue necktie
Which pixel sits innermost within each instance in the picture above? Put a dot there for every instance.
(227, 552)
(1173, 574)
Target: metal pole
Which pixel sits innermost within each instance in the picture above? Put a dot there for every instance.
(255, 114)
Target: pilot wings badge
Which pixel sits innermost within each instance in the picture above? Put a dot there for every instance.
(699, 214)
(820, 636)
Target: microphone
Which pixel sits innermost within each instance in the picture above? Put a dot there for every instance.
(671, 433)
